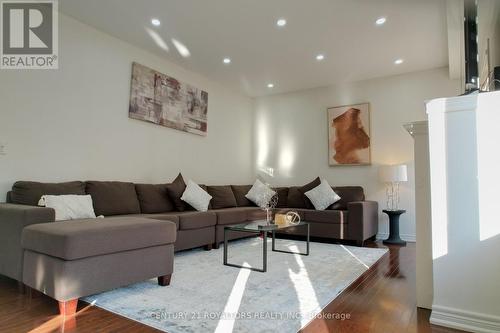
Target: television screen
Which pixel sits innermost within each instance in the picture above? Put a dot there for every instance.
(471, 46)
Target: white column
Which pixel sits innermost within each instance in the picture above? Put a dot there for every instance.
(464, 140)
(419, 132)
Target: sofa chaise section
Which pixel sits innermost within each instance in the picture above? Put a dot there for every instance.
(73, 259)
(13, 219)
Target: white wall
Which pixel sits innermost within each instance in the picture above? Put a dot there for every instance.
(73, 123)
(463, 139)
(291, 133)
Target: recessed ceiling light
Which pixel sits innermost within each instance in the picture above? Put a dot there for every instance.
(227, 60)
(320, 57)
(281, 22)
(270, 85)
(380, 21)
(155, 22)
(398, 61)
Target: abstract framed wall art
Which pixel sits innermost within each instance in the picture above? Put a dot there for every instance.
(349, 135)
(163, 100)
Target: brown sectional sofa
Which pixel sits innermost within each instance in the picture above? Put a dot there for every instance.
(153, 213)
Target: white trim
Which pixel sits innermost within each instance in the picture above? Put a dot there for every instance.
(406, 237)
(464, 320)
(452, 104)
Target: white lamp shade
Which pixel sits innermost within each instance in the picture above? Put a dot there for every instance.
(393, 173)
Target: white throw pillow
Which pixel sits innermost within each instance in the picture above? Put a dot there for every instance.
(70, 206)
(197, 197)
(322, 196)
(260, 194)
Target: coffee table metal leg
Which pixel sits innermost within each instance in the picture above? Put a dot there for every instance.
(273, 241)
(264, 253)
(308, 230)
(292, 252)
(225, 246)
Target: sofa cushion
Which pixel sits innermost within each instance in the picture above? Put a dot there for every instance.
(175, 191)
(163, 217)
(347, 194)
(231, 215)
(222, 196)
(326, 216)
(70, 240)
(196, 220)
(295, 198)
(171, 217)
(282, 196)
(113, 198)
(8, 197)
(309, 186)
(239, 192)
(153, 198)
(29, 193)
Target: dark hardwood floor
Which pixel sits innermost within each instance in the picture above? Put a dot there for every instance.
(381, 300)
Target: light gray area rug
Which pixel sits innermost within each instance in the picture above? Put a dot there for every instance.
(205, 296)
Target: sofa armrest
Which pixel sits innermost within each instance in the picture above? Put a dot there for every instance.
(13, 219)
(362, 220)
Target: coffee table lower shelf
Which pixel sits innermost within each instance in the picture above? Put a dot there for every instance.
(263, 230)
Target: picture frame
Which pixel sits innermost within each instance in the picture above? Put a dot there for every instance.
(163, 100)
(349, 135)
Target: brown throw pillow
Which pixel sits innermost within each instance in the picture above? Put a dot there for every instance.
(309, 187)
(222, 197)
(295, 198)
(175, 191)
(154, 198)
(239, 192)
(282, 196)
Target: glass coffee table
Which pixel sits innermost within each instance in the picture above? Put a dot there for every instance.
(263, 228)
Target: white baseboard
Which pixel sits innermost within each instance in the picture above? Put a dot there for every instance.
(406, 237)
(464, 320)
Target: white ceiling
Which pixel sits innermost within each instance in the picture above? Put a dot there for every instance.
(245, 30)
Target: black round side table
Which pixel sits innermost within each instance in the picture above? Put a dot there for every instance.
(394, 238)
